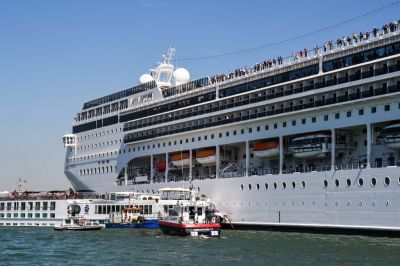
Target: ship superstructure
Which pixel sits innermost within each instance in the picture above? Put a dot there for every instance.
(311, 141)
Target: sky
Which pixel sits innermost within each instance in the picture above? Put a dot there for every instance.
(56, 55)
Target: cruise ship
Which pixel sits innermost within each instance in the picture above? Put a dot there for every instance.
(306, 142)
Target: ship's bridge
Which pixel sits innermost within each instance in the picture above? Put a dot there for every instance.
(69, 140)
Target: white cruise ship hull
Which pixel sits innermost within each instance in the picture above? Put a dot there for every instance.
(343, 97)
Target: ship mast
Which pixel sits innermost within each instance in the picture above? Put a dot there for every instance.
(163, 73)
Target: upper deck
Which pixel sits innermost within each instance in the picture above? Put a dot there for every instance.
(320, 61)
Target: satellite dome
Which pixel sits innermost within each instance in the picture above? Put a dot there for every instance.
(181, 75)
(145, 78)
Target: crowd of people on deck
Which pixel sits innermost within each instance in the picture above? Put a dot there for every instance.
(304, 53)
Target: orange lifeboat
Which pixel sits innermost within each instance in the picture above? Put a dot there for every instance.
(206, 157)
(266, 149)
(161, 166)
(181, 159)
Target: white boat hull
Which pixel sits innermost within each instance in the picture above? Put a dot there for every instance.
(210, 160)
(310, 154)
(181, 163)
(270, 153)
(393, 146)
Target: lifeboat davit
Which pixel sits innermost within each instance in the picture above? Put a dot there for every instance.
(181, 159)
(206, 157)
(390, 136)
(267, 149)
(314, 145)
(161, 166)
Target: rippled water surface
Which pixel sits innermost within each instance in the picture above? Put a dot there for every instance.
(38, 246)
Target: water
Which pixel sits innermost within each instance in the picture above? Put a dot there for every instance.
(44, 246)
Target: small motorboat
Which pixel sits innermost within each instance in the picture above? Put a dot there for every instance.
(78, 225)
(132, 218)
(187, 215)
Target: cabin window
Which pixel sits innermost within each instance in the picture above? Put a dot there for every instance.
(266, 127)
(360, 182)
(373, 109)
(313, 119)
(325, 183)
(387, 181)
(275, 126)
(303, 121)
(373, 181)
(361, 112)
(348, 113)
(348, 182)
(326, 117)
(387, 107)
(336, 183)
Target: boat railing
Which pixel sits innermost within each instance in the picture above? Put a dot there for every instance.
(318, 50)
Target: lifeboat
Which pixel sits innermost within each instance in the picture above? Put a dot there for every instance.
(161, 166)
(314, 145)
(206, 157)
(181, 159)
(267, 149)
(390, 136)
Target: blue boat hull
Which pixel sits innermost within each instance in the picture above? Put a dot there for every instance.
(148, 224)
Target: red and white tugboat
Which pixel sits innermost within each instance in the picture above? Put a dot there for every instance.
(187, 215)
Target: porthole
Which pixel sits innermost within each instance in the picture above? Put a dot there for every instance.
(348, 182)
(303, 184)
(399, 181)
(348, 203)
(360, 182)
(336, 182)
(275, 185)
(258, 186)
(373, 181)
(249, 186)
(387, 181)
(283, 185)
(373, 204)
(241, 187)
(325, 183)
(293, 184)
(336, 203)
(360, 204)
(387, 203)
(266, 186)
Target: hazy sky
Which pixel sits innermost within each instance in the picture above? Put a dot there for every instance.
(55, 55)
